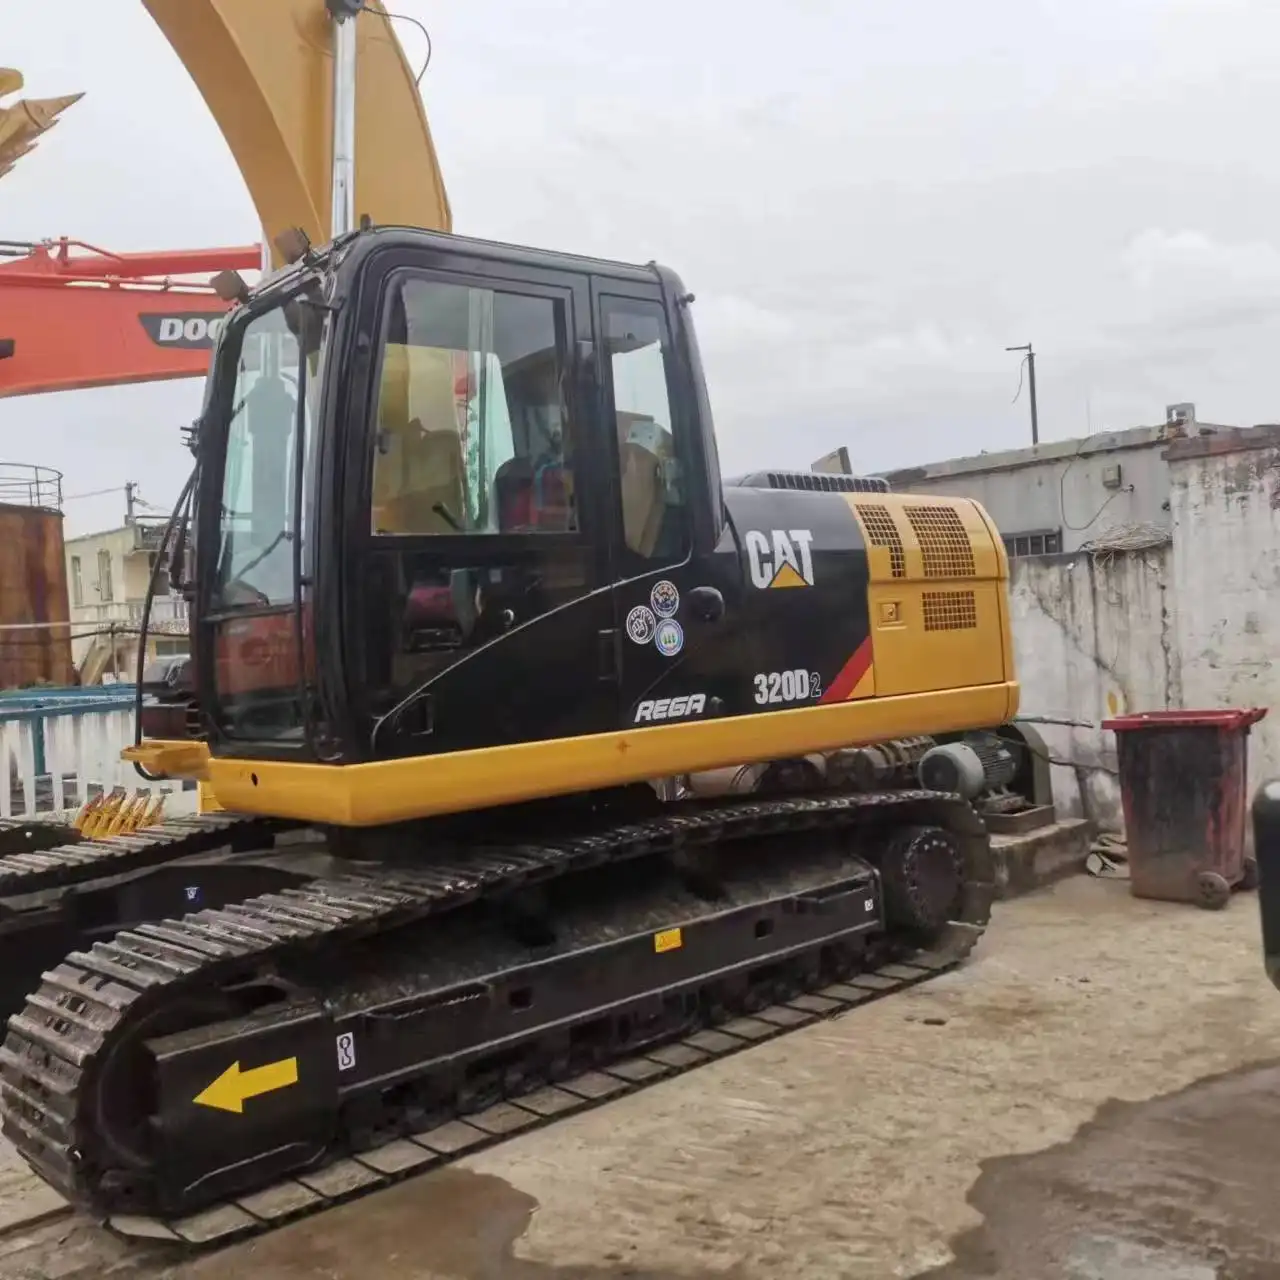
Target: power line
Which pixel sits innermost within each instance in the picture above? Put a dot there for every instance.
(94, 493)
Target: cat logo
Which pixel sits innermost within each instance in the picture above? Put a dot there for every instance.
(780, 558)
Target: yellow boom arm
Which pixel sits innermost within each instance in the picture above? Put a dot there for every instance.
(265, 69)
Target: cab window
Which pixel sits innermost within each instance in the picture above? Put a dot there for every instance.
(651, 477)
(472, 433)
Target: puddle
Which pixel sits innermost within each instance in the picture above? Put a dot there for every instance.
(450, 1225)
(1178, 1188)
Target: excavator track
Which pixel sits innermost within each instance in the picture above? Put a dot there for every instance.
(78, 861)
(117, 1077)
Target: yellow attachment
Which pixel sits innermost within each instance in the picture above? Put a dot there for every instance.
(207, 799)
(169, 759)
(96, 816)
(24, 122)
(88, 812)
(118, 814)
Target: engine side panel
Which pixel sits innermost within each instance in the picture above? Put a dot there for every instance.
(937, 597)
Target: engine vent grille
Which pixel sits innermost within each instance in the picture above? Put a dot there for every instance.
(810, 482)
(884, 533)
(944, 544)
(949, 610)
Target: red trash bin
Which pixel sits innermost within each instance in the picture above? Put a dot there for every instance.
(1184, 779)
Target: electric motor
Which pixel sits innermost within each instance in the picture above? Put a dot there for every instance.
(978, 762)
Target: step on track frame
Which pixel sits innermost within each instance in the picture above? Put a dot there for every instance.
(56, 1045)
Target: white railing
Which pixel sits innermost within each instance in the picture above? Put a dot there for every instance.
(62, 747)
(165, 612)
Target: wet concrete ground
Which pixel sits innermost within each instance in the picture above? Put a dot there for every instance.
(1179, 1188)
(1095, 1097)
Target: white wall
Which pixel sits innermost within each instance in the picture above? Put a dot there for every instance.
(1089, 642)
(1191, 625)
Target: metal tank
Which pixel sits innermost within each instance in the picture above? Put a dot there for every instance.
(35, 636)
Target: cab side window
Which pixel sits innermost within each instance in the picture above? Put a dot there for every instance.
(652, 491)
(472, 433)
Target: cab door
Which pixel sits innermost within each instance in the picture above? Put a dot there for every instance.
(476, 585)
(670, 607)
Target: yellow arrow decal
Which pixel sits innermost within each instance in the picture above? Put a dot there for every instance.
(233, 1087)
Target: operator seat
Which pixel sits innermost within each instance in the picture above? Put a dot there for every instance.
(644, 489)
(514, 488)
(418, 473)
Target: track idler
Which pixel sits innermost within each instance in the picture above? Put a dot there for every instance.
(922, 873)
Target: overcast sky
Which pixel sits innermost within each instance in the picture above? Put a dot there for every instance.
(870, 200)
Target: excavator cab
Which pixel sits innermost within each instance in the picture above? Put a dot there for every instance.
(426, 464)
(456, 498)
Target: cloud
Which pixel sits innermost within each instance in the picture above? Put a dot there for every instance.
(1194, 262)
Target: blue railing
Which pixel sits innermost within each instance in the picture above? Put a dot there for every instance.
(61, 746)
(36, 704)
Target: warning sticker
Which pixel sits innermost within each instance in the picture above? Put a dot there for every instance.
(668, 940)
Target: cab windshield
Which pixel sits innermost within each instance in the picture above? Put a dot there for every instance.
(257, 523)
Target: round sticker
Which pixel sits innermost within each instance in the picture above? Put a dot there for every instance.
(664, 599)
(670, 638)
(641, 624)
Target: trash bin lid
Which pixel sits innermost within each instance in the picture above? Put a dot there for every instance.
(1220, 718)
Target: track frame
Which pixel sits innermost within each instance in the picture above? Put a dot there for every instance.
(52, 1060)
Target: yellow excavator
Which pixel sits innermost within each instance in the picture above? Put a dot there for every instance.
(550, 761)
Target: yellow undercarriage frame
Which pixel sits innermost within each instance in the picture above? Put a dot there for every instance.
(385, 791)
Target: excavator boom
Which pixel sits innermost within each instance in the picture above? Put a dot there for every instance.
(265, 71)
(73, 319)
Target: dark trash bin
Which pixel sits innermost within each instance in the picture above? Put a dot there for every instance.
(1184, 779)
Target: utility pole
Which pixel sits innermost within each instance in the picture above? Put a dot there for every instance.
(130, 495)
(1031, 380)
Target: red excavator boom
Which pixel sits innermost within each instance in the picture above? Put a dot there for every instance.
(75, 316)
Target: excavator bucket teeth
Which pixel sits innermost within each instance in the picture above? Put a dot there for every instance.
(152, 812)
(99, 822)
(84, 818)
(125, 816)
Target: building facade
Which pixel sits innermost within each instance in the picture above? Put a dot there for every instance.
(107, 578)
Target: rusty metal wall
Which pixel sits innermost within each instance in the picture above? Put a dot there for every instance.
(33, 588)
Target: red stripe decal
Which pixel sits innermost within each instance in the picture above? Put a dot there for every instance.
(852, 671)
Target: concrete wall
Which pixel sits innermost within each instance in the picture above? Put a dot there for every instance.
(1091, 639)
(1190, 625)
(1225, 500)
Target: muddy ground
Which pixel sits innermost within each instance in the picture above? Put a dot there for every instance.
(1096, 1096)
